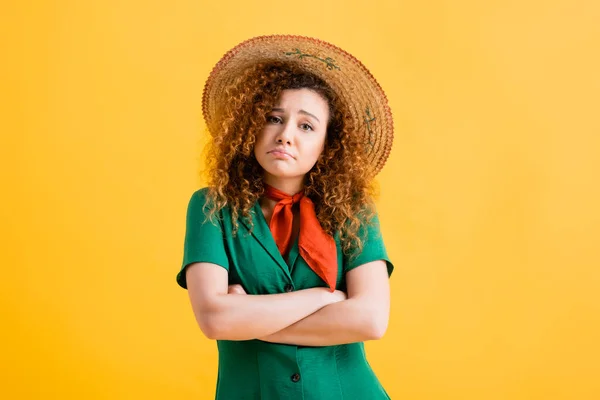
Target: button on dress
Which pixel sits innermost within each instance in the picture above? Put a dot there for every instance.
(255, 369)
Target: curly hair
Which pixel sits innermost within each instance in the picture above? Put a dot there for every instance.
(339, 183)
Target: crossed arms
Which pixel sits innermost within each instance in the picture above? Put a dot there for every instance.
(309, 317)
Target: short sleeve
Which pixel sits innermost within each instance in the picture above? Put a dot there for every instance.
(373, 248)
(204, 241)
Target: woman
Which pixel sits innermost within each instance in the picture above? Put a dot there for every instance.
(283, 257)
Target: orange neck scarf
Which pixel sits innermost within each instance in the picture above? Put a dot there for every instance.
(315, 245)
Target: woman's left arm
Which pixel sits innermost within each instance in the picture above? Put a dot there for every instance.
(363, 316)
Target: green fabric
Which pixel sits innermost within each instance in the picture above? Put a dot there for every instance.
(254, 369)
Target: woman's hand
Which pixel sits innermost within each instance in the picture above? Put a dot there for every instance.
(236, 289)
(339, 296)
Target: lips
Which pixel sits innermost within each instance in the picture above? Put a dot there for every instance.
(280, 153)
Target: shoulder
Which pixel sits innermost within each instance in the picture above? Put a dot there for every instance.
(200, 197)
(199, 202)
(201, 194)
(202, 202)
(366, 216)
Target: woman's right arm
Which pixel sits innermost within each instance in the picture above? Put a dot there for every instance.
(226, 316)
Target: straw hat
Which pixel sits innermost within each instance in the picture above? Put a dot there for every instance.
(346, 75)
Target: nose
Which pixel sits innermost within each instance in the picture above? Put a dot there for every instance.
(286, 132)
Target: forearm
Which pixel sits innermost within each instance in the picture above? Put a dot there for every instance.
(347, 321)
(243, 317)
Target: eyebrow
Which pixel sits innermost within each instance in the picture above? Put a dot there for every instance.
(301, 112)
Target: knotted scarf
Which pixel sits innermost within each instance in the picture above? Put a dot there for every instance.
(314, 244)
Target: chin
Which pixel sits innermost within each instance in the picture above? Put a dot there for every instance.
(282, 173)
(283, 170)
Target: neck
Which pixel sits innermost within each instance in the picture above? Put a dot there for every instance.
(289, 186)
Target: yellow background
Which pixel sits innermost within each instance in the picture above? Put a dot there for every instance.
(489, 201)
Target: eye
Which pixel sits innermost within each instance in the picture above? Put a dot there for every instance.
(306, 127)
(273, 119)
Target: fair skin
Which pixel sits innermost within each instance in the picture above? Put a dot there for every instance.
(292, 139)
(287, 148)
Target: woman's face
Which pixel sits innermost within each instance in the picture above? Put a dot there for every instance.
(294, 135)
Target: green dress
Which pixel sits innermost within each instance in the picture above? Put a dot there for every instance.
(254, 369)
